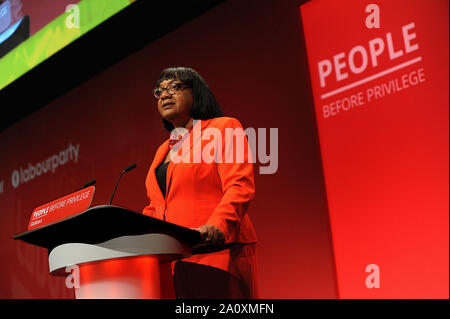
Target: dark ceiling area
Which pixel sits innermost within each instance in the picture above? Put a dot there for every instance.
(123, 34)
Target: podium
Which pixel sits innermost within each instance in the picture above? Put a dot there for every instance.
(113, 252)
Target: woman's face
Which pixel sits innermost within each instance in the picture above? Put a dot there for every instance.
(175, 108)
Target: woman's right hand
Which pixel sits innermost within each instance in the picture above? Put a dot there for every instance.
(211, 234)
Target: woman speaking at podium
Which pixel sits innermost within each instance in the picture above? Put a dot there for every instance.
(209, 196)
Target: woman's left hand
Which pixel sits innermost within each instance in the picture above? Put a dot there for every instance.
(211, 234)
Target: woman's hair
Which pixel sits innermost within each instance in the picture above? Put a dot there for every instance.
(204, 106)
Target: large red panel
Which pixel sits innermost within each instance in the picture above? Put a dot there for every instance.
(252, 55)
(381, 100)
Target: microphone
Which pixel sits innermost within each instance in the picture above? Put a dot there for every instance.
(129, 168)
(87, 185)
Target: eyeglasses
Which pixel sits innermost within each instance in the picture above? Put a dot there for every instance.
(171, 88)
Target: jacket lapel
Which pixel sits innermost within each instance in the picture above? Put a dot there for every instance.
(159, 158)
(193, 139)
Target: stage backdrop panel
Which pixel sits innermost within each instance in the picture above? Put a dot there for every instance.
(252, 54)
(381, 99)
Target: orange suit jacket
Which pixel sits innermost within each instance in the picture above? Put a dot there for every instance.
(217, 193)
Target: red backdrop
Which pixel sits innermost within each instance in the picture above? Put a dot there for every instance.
(385, 156)
(252, 54)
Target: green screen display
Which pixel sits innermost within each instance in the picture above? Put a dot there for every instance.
(66, 28)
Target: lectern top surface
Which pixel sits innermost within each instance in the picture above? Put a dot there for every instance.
(101, 223)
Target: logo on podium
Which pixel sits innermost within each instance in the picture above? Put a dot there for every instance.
(61, 208)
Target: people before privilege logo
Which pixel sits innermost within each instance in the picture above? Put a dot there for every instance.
(339, 76)
(61, 208)
(50, 164)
